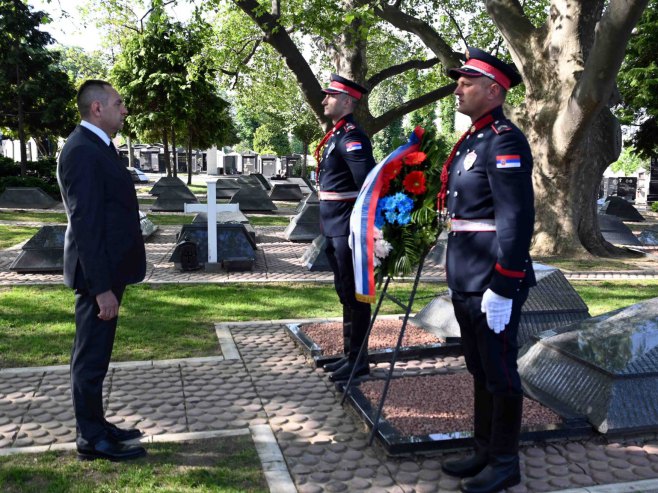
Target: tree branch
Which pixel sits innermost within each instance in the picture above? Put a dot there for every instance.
(399, 69)
(515, 28)
(390, 116)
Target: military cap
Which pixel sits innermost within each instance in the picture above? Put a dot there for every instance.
(341, 85)
(482, 64)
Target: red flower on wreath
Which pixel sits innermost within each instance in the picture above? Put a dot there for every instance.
(414, 158)
(415, 182)
(392, 169)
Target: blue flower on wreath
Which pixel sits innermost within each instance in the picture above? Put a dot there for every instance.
(394, 209)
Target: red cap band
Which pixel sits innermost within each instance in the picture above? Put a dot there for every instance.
(488, 70)
(337, 86)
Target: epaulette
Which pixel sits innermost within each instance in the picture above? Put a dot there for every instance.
(349, 126)
(501, 126)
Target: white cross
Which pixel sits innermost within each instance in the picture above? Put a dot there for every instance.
(211, 208)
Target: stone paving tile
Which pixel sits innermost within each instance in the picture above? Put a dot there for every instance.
(16, 394)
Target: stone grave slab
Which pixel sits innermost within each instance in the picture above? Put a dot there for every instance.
(304, 184)
(166, 182)
(227, 187)
(234, 244)
(26, 198)
(624, 210)
(615, 231)
(137, 175)
(263, 181)
(286, 191)
(649, 236)
(312, 198)
(552, 303)
(315, 256)
(251, 181)
(228, 217)
(605, 367)
(173, 199)
(44, 252)
(305, 226)
(253, 199)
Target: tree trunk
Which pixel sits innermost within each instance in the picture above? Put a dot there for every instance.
(165, 142)
(131, 157)
(21, 135)
(189, 162)
(175, 151)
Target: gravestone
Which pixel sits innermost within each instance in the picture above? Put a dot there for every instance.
(137, 175)
(605, 367)
(616, 206)
(26, 198)
(250, 181)
(304, 184)
(226, 188)
(652, 196)
(552, 303)
(268, 163)
(315, 256)
(263, 181)
(253, 199)
(166, 182)
(44, 252)
(649, 236)
(249, 163)
(305, 226)
(624, 187)
(286, 192)
(615, 231)
(228, 217)
(173, 199)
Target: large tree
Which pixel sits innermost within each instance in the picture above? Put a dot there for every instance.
(35, 95)
(569, 54)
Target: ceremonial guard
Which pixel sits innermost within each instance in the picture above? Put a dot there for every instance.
(345, 158)
(487, 189)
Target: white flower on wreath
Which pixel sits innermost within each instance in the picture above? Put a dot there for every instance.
(382, 247)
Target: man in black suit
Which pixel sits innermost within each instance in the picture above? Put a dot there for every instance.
(103, 252)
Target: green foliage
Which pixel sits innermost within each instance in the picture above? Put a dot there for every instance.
(40, 174)
(654, 207)
(629, 162)
(80, 64)
(268, 139)
(36, 97)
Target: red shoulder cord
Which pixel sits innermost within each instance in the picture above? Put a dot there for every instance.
(441, 196)
(320, 147)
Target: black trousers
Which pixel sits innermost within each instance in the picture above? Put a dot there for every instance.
(90, 360)
(490, 357)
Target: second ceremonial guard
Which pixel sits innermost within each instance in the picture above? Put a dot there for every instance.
(344, 159)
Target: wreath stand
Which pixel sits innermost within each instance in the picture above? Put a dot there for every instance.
(407, 310)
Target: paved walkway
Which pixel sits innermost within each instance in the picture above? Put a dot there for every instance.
(262, 384)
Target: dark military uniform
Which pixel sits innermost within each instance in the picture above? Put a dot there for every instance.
(490, 181)
(490, 206)
(346, 161)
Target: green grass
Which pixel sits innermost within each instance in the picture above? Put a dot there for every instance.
(158, 321)
(269, 220)
(219, 465)
(13, 235)
(170, 219)
(30, 216)
(602, 297)
(591, 264)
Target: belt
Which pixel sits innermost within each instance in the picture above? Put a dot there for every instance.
(339, 196)
(471, 225)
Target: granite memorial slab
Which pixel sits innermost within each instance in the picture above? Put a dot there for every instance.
(552, 303)
(624, 210)
(615, 231)
(166, 182)
(305, 226)
(253, 199)
(137, 175)
(227, 217)
(263, 181)
(304, 184)
(44, 252)
(315, 256)
(605, 367)
(312, 198)
(235, 248)
(26, 198)
(227, 187)
(250, 180)
(286, 191)
(173, 199)
(649, 236)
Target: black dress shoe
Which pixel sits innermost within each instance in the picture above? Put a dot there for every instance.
(121, 434)
(343, 373)
(502, 472)
(335, 365)
(108, 449)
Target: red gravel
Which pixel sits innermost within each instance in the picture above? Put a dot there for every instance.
(385, 333)
(439, 404)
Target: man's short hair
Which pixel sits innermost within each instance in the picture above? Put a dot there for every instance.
(91, 90)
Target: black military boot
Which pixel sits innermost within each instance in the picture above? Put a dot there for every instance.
(503, 469)
(482, 416)
(360, 324)
(347, 330)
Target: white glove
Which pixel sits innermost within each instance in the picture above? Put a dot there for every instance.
(449, 293)
(498, 310)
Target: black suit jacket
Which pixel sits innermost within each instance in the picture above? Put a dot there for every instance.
(103, 247)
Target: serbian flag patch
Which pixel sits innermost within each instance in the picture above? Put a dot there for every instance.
(509, 161)
(353, 146)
